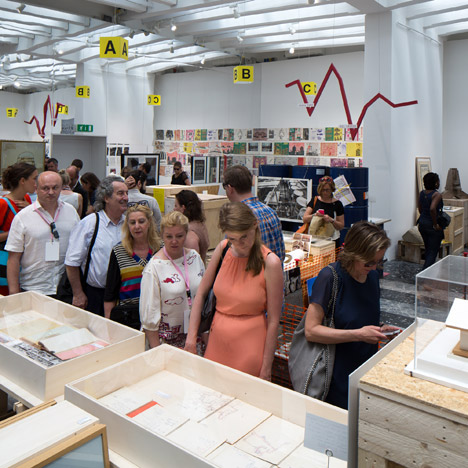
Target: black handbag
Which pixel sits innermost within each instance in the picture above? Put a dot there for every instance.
(64, 289)
(209, 306)
(443, 219)
(311, 364)
(127, 314)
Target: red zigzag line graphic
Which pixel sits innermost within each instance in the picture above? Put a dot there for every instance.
(46, 108)
(354, 131)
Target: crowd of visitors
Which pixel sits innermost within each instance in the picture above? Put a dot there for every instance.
(122, 261)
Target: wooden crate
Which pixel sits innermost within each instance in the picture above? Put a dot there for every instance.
(46, 383)
(413, 253)
(147, 449)
(211, 206)
(409, 422)
(455, 232)
(160, 192)
(462, 203)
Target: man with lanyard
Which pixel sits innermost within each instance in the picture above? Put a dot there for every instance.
(38, 239)
(238, 186)
(111, 204)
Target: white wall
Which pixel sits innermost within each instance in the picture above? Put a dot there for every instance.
(394, 137)
(455, 111)
(14, 128)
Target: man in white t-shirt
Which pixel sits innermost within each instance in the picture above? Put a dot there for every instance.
(38, 239)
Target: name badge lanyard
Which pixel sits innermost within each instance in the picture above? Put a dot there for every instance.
(53, 230)
(186, 277)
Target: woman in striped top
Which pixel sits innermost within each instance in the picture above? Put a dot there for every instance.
(128, 258)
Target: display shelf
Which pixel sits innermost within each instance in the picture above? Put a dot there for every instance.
(37, 381)
(219, 407)
(455, 232)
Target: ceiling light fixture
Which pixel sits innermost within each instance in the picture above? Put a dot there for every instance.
(240, 38)
(131, 35)
(235, 12)
(173, 26)
(146, 33)
(292, 29)
(292, 50)
(21, 8)
(203, 60)
(17, 84)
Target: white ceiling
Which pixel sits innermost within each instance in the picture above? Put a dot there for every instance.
(42, 41)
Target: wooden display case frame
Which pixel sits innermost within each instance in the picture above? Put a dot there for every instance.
(145, 449)
(47, 383)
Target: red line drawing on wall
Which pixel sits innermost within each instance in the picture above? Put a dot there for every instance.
(47, 107)
(310, 107)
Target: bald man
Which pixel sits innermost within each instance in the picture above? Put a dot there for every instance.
(38, 239)
(74, 173)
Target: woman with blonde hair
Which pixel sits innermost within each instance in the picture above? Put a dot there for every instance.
(249, 297)
(127, 260)
(169, 285)
(356, 318)
(67, 195)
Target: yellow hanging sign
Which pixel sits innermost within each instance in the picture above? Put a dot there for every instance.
(83, 91)
(154, 100)
(113, 47)
(310, 88)
(11, 112)
(62, 109)
(244, 74)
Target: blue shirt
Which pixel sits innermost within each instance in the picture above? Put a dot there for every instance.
(269, 224)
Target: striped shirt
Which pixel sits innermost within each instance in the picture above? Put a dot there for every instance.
(124, 276)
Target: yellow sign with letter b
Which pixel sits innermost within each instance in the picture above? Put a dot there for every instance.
(11, 112)
(244, 74)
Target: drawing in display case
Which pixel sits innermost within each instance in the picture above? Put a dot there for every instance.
(199, 169)
(167, 407)
(134, 160)
(76, 342)
(441, 353)
(55, 436)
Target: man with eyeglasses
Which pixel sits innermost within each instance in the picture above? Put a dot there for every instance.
(38, 239)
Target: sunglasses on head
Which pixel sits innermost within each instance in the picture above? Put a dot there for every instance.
(325, 178)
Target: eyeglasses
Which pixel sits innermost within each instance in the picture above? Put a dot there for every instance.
(373, 264)
(225, 185)
(53, 230)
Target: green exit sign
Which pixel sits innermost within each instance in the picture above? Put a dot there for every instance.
(84, 128)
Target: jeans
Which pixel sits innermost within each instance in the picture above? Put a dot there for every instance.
(432, 240)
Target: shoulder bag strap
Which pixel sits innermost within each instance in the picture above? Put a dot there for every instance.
(90, 249)
(10, 206)
(223, 254)
(333, 297)
(315, 201)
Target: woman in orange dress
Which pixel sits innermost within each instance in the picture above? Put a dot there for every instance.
(249, 297)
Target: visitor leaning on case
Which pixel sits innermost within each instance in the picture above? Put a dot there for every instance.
(248, 284)
(357, 312)
(169, 284)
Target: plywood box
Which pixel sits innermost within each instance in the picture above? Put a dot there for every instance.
(461, 203)
(48, 382)
(455, 232)
(160, 192)
(157, 375)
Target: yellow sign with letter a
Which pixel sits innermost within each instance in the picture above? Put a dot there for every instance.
(113, 47)
(244, 74)
(83, 91)
(11, 112)
(154, 100)
(310, 88)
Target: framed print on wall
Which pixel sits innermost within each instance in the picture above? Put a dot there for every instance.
(135, 159)
(31, 152)
(423, 166)
(198, 169)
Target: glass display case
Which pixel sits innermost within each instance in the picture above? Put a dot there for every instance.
(441, 337)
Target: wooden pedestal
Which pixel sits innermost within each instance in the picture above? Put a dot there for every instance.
(462, 203)
(455, 232)
(413, 253)
(409, 422)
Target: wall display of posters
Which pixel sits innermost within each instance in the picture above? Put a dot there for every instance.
(135, 159)
(312, 149)
(239, 160)
(338, 162)
(240, 148)
(198, 169)
(317, 134)
(295, 134)
(227, 147)
(212, 135)
(288, 197)
(423, 166)
(353, 150)
(341, 149)
(259, 161)
(212, 171)
(169, 135)
(267, 147)
(159, 134)
(329, 134)
(190, 135)
(280, 148)
(31, 152)
(328, 149)
(228, 134)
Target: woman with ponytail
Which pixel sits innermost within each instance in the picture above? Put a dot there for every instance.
(249, 297)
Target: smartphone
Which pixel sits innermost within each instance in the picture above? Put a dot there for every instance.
(391, 332)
